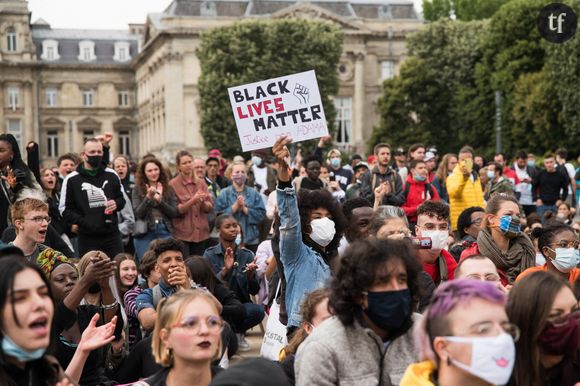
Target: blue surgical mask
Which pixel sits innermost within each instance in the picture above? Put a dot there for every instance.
(566, 259)
(257, 161)
(490, 174)
(335, 163)
(389, 309)
(531, 163)
(238, 239)
(11, 349)
(510, 226)
(419, 178)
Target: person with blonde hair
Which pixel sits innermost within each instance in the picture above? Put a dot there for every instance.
(31, 219)
(186, 339)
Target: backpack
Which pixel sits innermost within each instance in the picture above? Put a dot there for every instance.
(428, 187)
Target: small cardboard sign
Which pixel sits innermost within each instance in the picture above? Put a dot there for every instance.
(289, 105)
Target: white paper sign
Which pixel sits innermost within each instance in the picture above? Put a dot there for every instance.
(289, 105)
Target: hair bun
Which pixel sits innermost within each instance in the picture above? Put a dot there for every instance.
(537, 232)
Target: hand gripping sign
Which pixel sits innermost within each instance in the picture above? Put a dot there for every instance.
(289, 105)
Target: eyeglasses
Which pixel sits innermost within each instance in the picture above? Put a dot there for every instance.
(193, 324)
(486, 329)
(566, 244)
(487, 277)
(39, 219)
(477, 221)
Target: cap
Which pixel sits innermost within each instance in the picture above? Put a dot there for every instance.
(433, 150)
(371, 159)
(355, 156)
(429, 156)
(9, 249)
(214, 153)
(399, 151)
(360, 165)
(239, 158)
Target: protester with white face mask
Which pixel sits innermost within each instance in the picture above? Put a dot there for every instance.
(433, 223)
(311, 227)
(559, 246)
(465, 338)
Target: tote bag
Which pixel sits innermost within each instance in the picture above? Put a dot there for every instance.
(275, 335)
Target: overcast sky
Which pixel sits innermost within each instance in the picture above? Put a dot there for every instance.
(100, 14)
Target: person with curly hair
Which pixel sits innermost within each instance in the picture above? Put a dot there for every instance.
(372, 297)
(311, 227)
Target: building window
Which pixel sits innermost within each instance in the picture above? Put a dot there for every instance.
(343, 107)
(87, 51)
(13, 127)
(11, 40)
(387, 69)
(122, 52)
(50, 97)
(88, 98)
(52, 143)
(50, 50)
(88, 134)
(124, 142)
(13, 97)
(208, 8)
(123, 97)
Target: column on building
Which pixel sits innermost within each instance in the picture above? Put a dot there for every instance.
(359, 98)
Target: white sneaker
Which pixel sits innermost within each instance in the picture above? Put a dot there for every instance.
(243, 344)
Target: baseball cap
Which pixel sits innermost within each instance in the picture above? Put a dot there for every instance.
(433, 150)
(371, 158)
(360, 165)
(429, 156)
(399, 151)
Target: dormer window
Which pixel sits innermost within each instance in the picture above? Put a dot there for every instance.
(50, 50)
(208, 8)
(122, 52)
(11, 39)
(87, 51)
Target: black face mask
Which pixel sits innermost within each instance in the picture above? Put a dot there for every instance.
(95, 288)
(389, 309)
(94, 160)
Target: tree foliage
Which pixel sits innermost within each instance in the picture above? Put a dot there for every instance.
(467, 62)
(251, 51)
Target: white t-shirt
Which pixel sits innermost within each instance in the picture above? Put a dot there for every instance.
(525, 189)
(260, 175)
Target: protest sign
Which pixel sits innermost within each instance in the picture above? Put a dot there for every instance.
(288, 105)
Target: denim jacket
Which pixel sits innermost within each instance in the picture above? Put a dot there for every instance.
(256, 211)
(304, 268)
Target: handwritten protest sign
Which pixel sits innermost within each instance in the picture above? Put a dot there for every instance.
(289, 105)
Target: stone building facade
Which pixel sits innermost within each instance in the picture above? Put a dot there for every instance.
(60, 86)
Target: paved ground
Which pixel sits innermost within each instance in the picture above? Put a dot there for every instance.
(254, 338)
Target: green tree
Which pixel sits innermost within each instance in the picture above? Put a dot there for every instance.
(251, 51)
(563, 65)
(425, 103)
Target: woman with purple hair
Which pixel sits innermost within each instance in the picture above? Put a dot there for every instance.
(464, 338)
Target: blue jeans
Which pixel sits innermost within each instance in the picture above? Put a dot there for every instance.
(142, 242)
(254, 315)
(544, 208)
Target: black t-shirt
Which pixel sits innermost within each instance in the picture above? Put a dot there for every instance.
(307, 183)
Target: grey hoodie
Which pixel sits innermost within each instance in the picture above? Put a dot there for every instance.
(337, 355)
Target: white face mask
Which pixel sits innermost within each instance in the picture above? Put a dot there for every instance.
(439, 239)
(492, 358)
(566, 259)
(323, 231)
(540, 259)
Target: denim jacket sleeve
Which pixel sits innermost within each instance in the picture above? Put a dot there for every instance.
(290, 230)
(222, 204)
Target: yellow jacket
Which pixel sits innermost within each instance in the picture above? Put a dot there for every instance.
(463, 193)
(418, 374)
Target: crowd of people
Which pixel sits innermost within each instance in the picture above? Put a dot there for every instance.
(400, 268)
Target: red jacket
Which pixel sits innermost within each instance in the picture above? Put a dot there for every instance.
(433, 269)
(474, 250)
(417, 193)
(511, 175)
